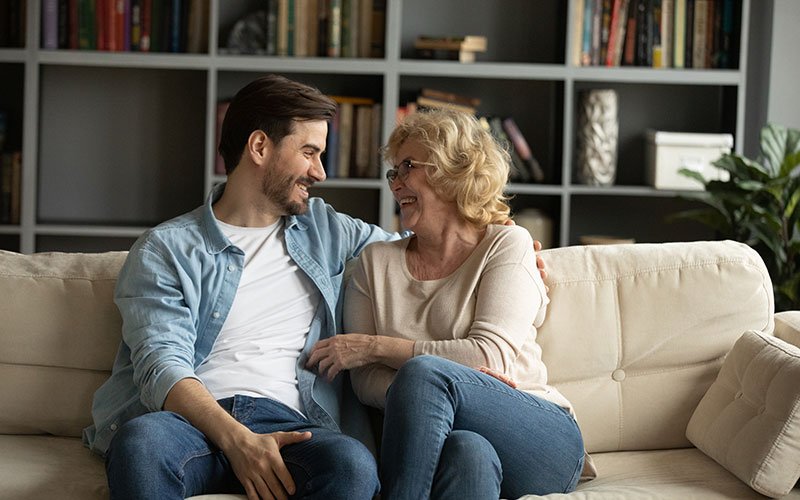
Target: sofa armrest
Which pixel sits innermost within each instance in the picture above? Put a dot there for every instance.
(787, 327)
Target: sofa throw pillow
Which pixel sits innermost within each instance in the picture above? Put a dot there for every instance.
(749, 419)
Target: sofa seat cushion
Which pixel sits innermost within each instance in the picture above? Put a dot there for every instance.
(37, 467)
(660, 474)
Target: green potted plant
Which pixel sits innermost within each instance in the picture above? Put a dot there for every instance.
(760, 205)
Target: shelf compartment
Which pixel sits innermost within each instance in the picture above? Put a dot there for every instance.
(637, 217)
(9, 242)
(12, 85)
(359, 203)
(84, 244)
(516, 30)
(536, 106)
(678, 108)
(549, 206)
(131, 155)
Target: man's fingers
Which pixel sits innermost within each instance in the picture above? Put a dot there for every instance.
(284, 438)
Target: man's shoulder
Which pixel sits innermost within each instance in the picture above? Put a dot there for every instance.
(185, 228)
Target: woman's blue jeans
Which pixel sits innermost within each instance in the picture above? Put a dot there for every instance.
(161, 456)
(453, 432)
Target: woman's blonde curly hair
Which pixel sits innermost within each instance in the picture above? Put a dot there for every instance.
(467, 165)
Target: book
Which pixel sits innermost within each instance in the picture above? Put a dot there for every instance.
(375, 141)
(345, 138)
(667, 44)
(362, 140)
(470, 43)
(699, 34)
(365, 28)
(678, 33)
(518, 171)
(629, 47)
(605, 30)
(536, 174)
(428, 102)
(463, 56)
(577, 31)
(49, 24)
(616, 36)
(586, 34)
(442, 95)
(378, 31)
(334, 45)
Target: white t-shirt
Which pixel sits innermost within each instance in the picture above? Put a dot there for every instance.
(261, 340)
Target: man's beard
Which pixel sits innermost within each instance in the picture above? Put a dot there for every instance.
(278, 189)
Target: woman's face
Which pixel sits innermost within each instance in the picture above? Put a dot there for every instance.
(420, 207)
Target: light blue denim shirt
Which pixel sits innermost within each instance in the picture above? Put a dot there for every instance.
(176, 289)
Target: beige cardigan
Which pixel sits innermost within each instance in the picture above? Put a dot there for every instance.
(483, 314)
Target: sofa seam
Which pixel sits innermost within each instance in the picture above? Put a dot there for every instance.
(652, 270)
(617, 318)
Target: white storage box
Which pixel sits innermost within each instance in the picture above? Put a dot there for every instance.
(668, 152)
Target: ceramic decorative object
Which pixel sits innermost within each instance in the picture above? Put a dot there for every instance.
(597, 136)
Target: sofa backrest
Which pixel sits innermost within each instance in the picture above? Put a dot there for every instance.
(635, 334)
(59, 334)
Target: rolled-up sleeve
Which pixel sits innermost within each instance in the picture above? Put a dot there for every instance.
(157, 324)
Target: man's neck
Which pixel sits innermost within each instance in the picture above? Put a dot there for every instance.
(242, 207)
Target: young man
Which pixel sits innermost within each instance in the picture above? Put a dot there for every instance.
(220, 307)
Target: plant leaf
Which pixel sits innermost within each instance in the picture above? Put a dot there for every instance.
(778, 142)
(791, 165)
(694, 174)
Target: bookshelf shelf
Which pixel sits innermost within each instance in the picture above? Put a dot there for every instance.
(115, 142)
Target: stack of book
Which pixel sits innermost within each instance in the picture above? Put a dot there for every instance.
(656, 33)
(459, 48)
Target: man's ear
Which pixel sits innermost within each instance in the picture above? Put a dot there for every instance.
(259, 147)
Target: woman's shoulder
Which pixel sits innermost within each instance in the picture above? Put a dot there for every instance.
(384, 249)
(510, 235)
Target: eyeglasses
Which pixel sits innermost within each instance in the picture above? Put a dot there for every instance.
(402, 170)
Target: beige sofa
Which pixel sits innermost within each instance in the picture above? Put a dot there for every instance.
(635, 335)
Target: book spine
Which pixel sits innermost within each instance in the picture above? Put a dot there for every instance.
(63, 24)
(577, 31)
(679, 33)
(272, 28)
(378, 30)
(699, 37)
(586, 36)
(667, 16)
(49, 24)
(335, 29)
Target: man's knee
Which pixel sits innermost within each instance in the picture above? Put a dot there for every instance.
(470, 451)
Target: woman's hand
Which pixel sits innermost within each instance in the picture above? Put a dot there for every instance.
(342, 352)
(499, 376)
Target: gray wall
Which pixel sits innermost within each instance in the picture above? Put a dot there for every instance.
(784, 74)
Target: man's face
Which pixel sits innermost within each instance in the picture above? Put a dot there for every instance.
(295, 166)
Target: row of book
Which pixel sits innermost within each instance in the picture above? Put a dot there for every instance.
(353, 143)
(525, 168)
(312, 28)
(126, 25)
(10, 185)
(656, 33)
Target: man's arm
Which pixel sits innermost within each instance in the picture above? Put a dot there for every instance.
(255, 458)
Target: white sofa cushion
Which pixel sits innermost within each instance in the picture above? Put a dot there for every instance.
(635, 334)
(59, 335)
(749, 420)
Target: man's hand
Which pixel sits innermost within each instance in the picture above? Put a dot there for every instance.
(257, 462)
(342, 352)
(499, 376)
(537, 247)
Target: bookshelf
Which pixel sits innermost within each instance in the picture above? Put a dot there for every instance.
(115, 142)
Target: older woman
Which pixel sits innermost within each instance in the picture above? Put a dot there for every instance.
(429, 311)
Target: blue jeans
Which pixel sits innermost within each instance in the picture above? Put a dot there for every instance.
(453, 432)
(161, 456)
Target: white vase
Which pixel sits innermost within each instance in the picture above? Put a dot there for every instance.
(597, 136)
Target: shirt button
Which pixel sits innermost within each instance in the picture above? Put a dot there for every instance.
(231, 268)
(113, 427)
(216, 314)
